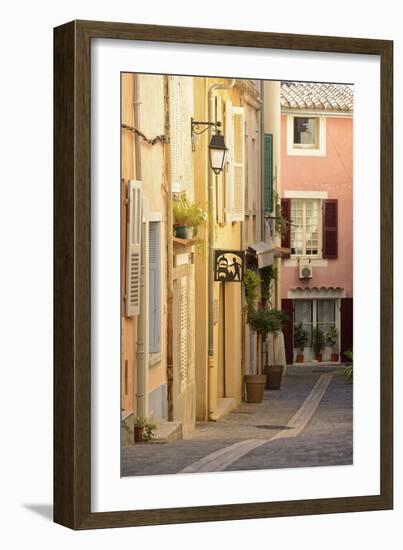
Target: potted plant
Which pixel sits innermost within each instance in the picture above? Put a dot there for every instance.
(188, 216)
(332, 337)
(264, 322)
(318, 343)
(300, 339)
(348, 371)
(139, 423)
(254, 382)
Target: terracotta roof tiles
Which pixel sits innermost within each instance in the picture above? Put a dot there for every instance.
(317, 96)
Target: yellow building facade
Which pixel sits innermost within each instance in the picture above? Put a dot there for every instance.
(185, 343)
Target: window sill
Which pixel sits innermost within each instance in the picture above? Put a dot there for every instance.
(154, 359)
(315, 262)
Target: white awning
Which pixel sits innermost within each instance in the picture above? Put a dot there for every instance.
(264, 253)
(316, 292)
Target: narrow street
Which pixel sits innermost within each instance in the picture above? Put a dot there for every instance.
(309, 422)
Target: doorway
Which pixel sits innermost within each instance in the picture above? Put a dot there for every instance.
(317, 313)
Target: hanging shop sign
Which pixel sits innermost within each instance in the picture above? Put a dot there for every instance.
(229, 266)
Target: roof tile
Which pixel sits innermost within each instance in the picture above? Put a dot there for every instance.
(326, 97)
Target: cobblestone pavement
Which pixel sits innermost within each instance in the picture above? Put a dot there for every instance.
(326, 440)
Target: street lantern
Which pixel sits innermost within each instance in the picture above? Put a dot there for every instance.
(217, 151)
(217, 147)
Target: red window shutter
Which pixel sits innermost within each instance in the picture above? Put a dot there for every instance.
(287, 307)
(330, 218)
(286, 213)
(346, 327)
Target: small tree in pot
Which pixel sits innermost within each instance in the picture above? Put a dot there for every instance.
(332, 338)
(318, 343)
(300, 339)
(254, 382)
(264, 322)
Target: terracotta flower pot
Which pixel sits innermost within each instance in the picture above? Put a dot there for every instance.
(255, 387)
(335, 357)
(274, 376)
(138, 433)
(318, 357)
(300, 358)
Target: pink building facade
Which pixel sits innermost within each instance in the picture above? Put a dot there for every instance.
(317, 203)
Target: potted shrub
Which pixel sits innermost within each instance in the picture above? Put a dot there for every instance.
(139, 422)
(188, 216)
(300, 339)
(254, 383)
(332, 337)
(264, 322)
(318, 343)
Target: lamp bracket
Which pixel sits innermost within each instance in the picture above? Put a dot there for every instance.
(196, 126)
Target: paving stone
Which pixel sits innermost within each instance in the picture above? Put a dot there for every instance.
(326, 440)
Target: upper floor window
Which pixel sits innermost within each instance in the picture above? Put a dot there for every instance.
(306, 132)
(306, 135)
(305, 228)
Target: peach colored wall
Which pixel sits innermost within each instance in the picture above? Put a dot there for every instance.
(332, 173)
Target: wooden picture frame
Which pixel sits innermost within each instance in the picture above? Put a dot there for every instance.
(72, 271)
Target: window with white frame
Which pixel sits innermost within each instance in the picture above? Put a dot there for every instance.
(306, 132)
(305, 228)
(154, 256)
(313, 314)
(306, 135)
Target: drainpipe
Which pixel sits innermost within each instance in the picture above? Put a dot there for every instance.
(169, 251)
(212, 370)
(142, 320)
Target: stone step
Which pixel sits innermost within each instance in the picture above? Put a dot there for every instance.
(168, 431)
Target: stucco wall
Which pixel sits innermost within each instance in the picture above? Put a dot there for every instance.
(333, 174)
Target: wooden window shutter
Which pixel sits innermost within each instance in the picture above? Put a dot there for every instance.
(268, 173)
(346, 327)
(174, 84)
(133, 259)
(238, 192)
(286, 213)
(287, 307)
(155, 287)
(183, 321)
(229, 169)
(330, 223)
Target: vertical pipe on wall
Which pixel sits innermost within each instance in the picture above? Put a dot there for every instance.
(212, 368)
(169, 242)
(142, 322)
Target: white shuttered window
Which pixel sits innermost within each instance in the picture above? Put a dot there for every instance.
(154, 257)
(133, 256)
(180, 113)
(235, 173)
(183, 320)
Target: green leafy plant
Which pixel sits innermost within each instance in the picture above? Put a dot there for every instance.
(300, 337)
(251, 282)
(265, 321)
(318, 343)
(348, 371)
(332, 337)
(140, 421)
(267, 275)
(149, 427)
(149, 430)
(126, 427)
(188, 213)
